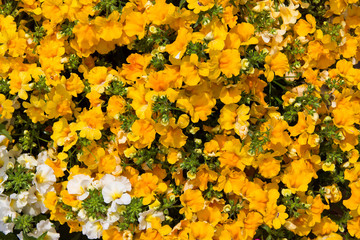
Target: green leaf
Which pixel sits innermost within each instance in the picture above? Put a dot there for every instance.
(4, 132)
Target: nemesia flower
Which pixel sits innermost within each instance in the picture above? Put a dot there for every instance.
(78, 185)
(200, 5)
(90, 123)
(193, 201)
(114, 189)
(44, 178)
(145, 218)
(92, 230)
(6, 108)
(27, 161)
(276, 65)
(45, 226)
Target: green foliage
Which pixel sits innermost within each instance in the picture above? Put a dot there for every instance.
(24, 223)
(116, 87)
(41, 86)
(131, 213)
(19, 179)
(94, 205)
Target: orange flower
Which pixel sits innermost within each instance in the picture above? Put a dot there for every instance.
(200, 5)
(142, 133)
(116, 106)
(171, 135)
(229, 62)
(136, 67)
(90, 122)
(177, 48)
(109, 28)
(135, 24)
(193, 201)
(276, 64)
(298, 175)
(203, 176)
(201, 230)
(303, 28)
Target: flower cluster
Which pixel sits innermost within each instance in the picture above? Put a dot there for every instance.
(196, 119)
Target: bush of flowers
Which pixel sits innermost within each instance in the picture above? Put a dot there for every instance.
(191, 119)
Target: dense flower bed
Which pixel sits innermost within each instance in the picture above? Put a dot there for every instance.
(196, 119)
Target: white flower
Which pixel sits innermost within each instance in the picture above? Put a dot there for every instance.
(115, 188)
(44, 178)
(27, 161)
(6, 227)
(35, 201)
(42, 157)
(19, 201)
(4, 157)
(146, 217)
(6, 209)
(92, 230)
(78, 185)
(3, 178)
(45, 226)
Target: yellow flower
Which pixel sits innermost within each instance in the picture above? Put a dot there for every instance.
(90, 122)
(99, 78)
(192, 70)
(135, 24)
(252, 222)
(159, 81)
(317, 207)
(86, 38)
(146, 186)
(353, 202)
(201, 230)
(107, 163)
(19, 83)
(142, 133)
(64, 134)
(54, 10)
(298, 175)
(338, 6)
(193, 201)
(303, 28)
(59, 103)
(74, 85)
(269, 167)
(245, 31)
(94, 99)
(231, 181)
(136, 67)
(203, 176)
(91, 156)
(35, 109)
(109, 28)
(6, 108)
(229, 62)
(353, 226)
(325, 227)
(159, 13)
(200, 5)
(276, 64)
(178, 47)
(171, 135)
(289, 14)
(228, 116)
(116, 106)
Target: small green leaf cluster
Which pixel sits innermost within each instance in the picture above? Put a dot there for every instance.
(94, 205)
(131, 212)
(19, 179)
